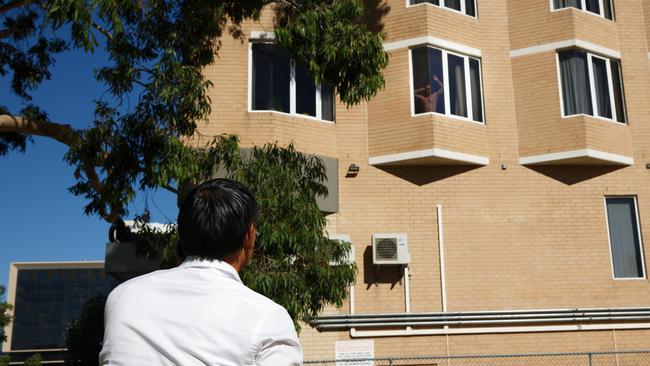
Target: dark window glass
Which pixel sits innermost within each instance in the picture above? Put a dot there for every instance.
(470, 8)
(453, 4)
(593, 6)
(435, 2)
(270, 78)
(428, 80)
(607, 9)
(475, 83)
(603, 103)
(624, 238)
(457, 92)
(617, 85)
(305, 92)
(48, 299)
(327, 102)
(574, 76)
(559, 4)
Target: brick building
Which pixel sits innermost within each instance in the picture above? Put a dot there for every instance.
(507, 152)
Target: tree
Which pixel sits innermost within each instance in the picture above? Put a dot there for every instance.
(5, 318)
(158, 50)
(84, 336)
(34, 360)
(294, 263)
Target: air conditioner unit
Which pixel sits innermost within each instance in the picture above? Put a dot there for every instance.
(349, 258)
(390, 249)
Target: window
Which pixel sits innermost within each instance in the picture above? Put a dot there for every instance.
(591, 85)
(464, 6)
(280, 84)
(602, 8)
(624, 237)
(446, 83)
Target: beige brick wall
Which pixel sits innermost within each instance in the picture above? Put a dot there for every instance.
(533, 23)
(519, 238)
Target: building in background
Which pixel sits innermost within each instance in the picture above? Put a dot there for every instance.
(496, 191)
(46, 297)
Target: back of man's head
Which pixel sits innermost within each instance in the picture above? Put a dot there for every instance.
(214, 218)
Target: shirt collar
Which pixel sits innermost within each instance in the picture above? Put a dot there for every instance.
(220, 265)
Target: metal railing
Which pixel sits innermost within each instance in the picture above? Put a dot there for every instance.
(621, 358)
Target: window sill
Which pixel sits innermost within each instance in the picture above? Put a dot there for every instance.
(442, 7)
(595, 117)
(299, 116)
(450, 116)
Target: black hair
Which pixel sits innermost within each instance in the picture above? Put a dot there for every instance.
(214, 218)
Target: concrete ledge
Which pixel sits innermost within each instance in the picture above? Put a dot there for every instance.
(577, 157)
(429, 157)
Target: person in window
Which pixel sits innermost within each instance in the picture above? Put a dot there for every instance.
(427, 101)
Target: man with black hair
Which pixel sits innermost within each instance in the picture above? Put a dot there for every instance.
(200, 313)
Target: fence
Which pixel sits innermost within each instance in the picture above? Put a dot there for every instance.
(623, 358)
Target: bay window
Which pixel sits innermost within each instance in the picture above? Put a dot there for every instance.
(467, 7)
(591, 85)
(601, 8)
(446, 83)
(279, 83)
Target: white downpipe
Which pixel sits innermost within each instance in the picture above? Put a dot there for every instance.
(407, 290)
(441, 250)
(351, 299)
(491, 330)
(352, 304)
(443, 280)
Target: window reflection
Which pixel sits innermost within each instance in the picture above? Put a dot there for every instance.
(48, 299)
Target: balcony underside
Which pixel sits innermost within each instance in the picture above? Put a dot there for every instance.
(578, 157)
(429, 157)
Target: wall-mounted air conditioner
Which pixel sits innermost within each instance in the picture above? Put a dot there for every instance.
(349, 259)
(390, 249)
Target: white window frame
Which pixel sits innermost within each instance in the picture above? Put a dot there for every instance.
(445, 73)
(443, 5)
(592, 88)
(583, 3)
(292, 91)
(640, 238)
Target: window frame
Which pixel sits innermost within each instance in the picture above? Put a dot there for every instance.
(639, 234)
(445, 72)
(583, 3)
(292, 90)
(463, 9)
(592, 94)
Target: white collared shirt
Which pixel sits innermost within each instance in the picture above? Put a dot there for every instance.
(199, 313)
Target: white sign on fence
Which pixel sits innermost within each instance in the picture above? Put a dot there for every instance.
(349, 350)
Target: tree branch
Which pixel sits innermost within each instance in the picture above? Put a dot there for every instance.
(63, 133)
(4, 33)
(12, 5)
(103, 31)
(170, 188)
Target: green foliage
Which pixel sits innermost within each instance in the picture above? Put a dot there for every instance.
(4, 360)
(4, 316)
(338, 49)
(84, 337)
(158, 50)
(34, 360)
(291, 263)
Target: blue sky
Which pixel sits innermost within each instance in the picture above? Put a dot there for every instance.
(39, 219)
